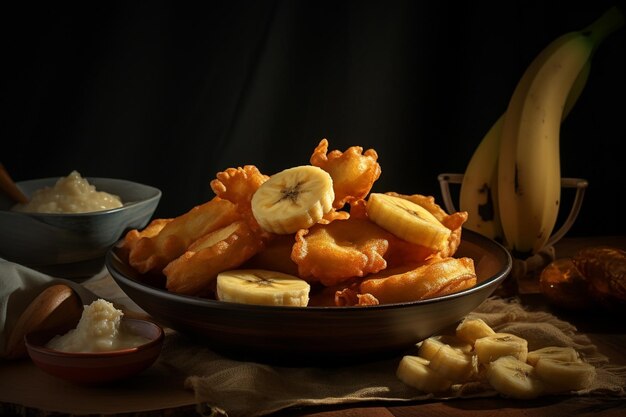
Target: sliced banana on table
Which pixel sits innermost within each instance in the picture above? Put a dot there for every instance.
(454, 364)
(262, 287)
(514, 378)
(471, 329)
(427, 348)
(478, 353)
(490, 348)
(407, 220)
(293, 199)
(565, 354)
(415, 372)
(565, 375)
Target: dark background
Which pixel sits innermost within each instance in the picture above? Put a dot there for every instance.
(168, 94)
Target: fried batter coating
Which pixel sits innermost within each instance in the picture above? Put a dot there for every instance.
(276, 256)
(151, 254)
(435, 278)
(195, 271)
(402, 252)
(132, 236)
(343, 249)
(323, 296)
(454, 221)
(358, 208)
(333, 215)
(351, 297)
(238, 185)
(353, 172)
(604, 267)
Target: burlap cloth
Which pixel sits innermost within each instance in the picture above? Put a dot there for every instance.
(223, 386)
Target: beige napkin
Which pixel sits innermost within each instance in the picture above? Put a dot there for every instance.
(244, 389)
(19, 285)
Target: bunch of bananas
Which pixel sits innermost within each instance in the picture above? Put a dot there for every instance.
(511, 187)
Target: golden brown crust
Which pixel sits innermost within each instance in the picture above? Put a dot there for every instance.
(604, 268)
(353, 171)
(409, 283)
(195, 271)
(336, 252)
(133, 236)
(342, 250)
(152, 254)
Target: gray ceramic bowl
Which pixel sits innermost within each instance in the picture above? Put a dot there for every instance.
(314, 335)
(73, 245)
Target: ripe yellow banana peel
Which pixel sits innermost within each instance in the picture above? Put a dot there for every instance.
(512, 183)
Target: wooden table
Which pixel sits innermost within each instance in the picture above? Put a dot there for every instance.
(25, 390)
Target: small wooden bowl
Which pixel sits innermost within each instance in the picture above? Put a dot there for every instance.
(97, 367)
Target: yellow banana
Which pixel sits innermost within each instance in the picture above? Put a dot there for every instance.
(562, 376)
(529, 177)
(453, 364)
(564, 354)
(262, 287)
(478, 195)
(407, 220)
(514, 378)
(490, 348)
(479, 188)
(428, 348)
(293, 199)
(415, 371)
(469, 330)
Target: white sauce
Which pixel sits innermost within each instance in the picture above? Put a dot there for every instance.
(71, 194)
(98, 330)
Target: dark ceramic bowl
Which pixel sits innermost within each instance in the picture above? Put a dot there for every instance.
(303, 335)
(98, 367)
(73, 245)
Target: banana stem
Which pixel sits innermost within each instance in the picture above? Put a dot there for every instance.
(609, 22)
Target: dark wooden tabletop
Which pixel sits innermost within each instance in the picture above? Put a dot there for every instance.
(24, 390)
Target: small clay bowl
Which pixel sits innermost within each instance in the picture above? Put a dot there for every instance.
(97, 367)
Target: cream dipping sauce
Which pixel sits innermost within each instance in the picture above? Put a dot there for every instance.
(71, 194)
(98, 330)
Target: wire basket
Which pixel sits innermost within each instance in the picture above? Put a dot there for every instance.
(525, 272)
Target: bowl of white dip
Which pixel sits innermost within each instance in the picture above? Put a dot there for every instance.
(103, 347)
(71, 222)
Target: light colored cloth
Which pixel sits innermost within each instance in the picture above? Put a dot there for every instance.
(224, 386)
(243, 389)
(19, 285)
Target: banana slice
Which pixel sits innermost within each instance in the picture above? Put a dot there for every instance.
(562, 376)
(453, 364)
(427, 348)
(415, 372)
(262, 287)
(564, 354)
(471, 329)
(407, 220)
(293, 199)
(514, 378)
(490, 348)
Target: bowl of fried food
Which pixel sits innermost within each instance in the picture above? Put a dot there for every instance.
(308, 266)
(68, 223)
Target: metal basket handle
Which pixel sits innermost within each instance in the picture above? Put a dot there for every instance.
(580, 184)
